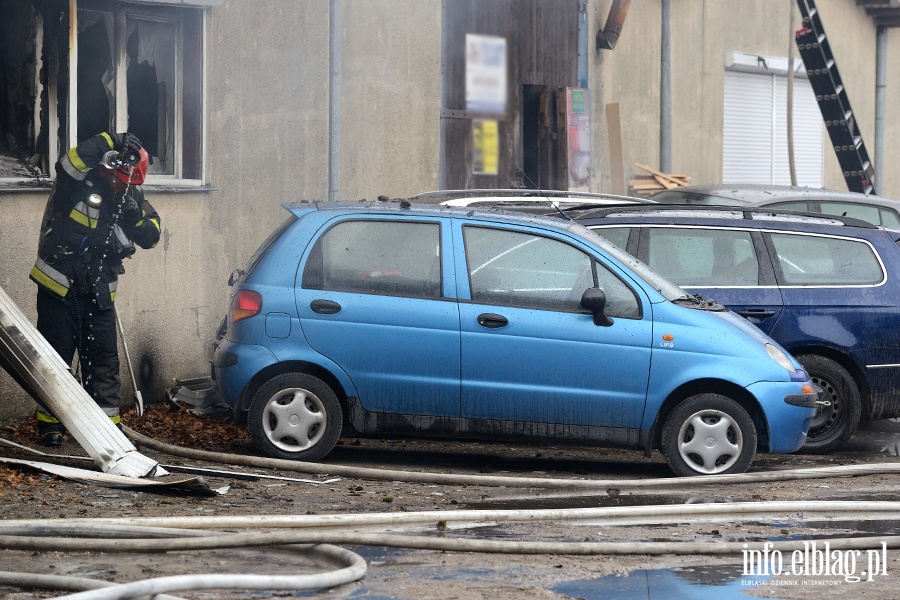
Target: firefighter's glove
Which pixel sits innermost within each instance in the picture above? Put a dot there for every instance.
(131, 212)
(126, 142)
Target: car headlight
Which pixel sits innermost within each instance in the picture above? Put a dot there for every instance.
(780, 357)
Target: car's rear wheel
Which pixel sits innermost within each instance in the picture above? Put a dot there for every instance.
(834, 423)
(708, 434)
(295, 416)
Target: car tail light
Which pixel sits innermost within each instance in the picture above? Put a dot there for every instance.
(246, 304)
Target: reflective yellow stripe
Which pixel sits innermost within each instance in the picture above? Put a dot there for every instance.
(76, 160)
(44, 417)
(48, 282)
(116, 419)
(88, 219)
(108, 140)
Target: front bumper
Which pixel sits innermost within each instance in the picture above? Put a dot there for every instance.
(788, 422)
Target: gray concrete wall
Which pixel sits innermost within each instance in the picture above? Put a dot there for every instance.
(391, 97)
(267, 143)
(702, 31)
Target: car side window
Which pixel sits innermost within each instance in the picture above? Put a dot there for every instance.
(862, 212)
(890, 219)
(820, 260)
(703, 257)
(530, 271)
(397, 258)
(798, 206)
(616, 235)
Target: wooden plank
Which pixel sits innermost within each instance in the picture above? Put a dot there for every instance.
(616, 155)
(659, 174)
(665, 183)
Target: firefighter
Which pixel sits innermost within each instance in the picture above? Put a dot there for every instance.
(94, 217)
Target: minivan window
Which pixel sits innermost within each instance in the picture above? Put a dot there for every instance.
(821, 260)
(616, 235)
(397, 258)
(530, 271)
(703, 257)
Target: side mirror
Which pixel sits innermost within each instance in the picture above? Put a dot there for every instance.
(594, 300)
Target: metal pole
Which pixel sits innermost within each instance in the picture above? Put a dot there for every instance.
(792, 163)
(881, 43)
(665, 94)
(334, 96)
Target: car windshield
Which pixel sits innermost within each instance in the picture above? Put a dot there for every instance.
(665, 287)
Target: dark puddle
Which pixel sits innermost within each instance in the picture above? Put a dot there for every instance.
(721, 582)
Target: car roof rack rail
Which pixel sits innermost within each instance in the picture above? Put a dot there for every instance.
(759, 213)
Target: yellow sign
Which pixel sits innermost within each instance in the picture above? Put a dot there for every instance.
(486, 155)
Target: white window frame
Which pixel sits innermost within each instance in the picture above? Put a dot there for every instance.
(120, 17)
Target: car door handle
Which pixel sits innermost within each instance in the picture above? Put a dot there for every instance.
(756, 313)
(492, 321)
(325, 307)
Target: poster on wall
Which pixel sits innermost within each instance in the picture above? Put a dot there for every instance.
(578, 138)
(486, 145)
(485, 74)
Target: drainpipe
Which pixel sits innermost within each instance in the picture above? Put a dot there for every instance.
(665, 94)
(881, 42)
(582, 44)
(334, 96)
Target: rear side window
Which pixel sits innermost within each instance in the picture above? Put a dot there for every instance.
(703, 257)
(819, 260)
(396, 258)
(864, 212)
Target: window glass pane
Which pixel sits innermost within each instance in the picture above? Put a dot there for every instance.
(620, 299)
(96, 76)
(851, 209)
(799, 206)
(518, 269)
(815, 260)
(150, 54)
(704, 257)
(381, 257)
(616, 235)
(890, 219)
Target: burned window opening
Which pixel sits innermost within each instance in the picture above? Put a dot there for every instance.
(156, 50)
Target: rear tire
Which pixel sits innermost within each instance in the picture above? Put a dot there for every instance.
(833, 425)
(295, 416)
(708, 434)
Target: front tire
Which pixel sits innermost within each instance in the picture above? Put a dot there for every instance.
(295, 416)
(708, 434)
(834, 424)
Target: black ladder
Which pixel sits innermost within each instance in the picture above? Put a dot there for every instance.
(833, 101)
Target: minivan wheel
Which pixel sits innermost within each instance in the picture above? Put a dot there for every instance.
(834, 424)
(295, 416)
(708, 434)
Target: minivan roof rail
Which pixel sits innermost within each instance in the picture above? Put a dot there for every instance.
(755, 213)
(524, 192)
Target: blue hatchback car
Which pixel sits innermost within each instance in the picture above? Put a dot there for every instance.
(825, 287)
(391, 318)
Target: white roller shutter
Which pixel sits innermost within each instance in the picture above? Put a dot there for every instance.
(755, 130)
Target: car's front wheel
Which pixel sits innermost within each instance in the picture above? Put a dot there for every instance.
(708, 434)
(295, 416)
(836, 421)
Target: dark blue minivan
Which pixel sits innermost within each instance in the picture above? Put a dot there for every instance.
(826, 288)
